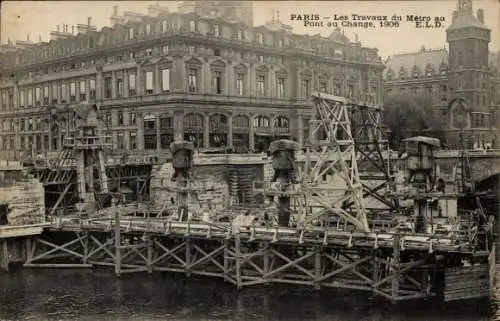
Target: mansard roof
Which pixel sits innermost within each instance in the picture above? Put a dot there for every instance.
(420, 60)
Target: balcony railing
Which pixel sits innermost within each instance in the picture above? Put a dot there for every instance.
(209, 98)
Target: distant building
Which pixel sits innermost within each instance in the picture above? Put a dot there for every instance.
(467, 72)
(203, 74)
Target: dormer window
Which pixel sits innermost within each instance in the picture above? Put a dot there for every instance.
(260, 38)
(192, 26)
(148, 29)
(217, 30)
(389, 75)
(240, 35)
(280, 43)
(402, 73)
(149, 52)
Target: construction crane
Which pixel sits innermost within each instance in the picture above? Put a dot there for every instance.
(329, 179)
(82, 148)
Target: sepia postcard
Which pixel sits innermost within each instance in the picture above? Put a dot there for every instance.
(249, 160)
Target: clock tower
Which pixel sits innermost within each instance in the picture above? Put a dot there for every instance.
(468, 40)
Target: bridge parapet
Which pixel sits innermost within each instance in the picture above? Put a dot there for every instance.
(484, 163)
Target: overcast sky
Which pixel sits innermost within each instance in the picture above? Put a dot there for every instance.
(39, 18)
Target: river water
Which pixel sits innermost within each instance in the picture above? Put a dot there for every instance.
(99, 295)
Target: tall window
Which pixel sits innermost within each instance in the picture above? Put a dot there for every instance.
(192, 26)
(149, 82)
(164, 26)
(132, 119)
(305, 88)
(217, 82)
(83, 91)
(133, 141)
(107, 87)
(131, 85)
(119, 88)
(240, 35)
(148, 29)
(120, 141)
(280, 90)
(4, 100)
(131, 33)
(260, 38)
(240, 83)
(37, 96)
(193, 80)
(165, 79)
(337, 89)
(261, 79)
(92, 88)
(72, 91)
(323, 86)
(30, 97)
(21, 98)
(120, 118)
(217, 30)
(350, 90)
(64, 93)
(46, 95)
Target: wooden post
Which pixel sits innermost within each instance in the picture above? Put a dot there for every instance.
(149, 241)
(395, 265)
(188, 256)
(226, 260)
(28, 248)
(118, 254)
(237, 244)
(4, 256)
(85, 244)
(317, 267)
(266, 258)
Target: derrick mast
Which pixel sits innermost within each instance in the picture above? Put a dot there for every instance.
(87, 145)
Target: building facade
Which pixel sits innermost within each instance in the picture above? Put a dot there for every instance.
(192, 74)
(463, 82)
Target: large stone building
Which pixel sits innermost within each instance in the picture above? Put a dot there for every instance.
(203, 73)
(467, 72)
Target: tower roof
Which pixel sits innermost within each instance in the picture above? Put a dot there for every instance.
(464, 17)
(461, 22)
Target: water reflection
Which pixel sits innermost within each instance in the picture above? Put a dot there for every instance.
(98, 295)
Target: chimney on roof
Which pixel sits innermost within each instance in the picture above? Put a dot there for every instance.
(39, 38)
(115, 10)
(72, 30)
(57, 28)
(480, 15)
(89, 21)
(454, 16)
(422, 49)
(277, 16)
(27, 37)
